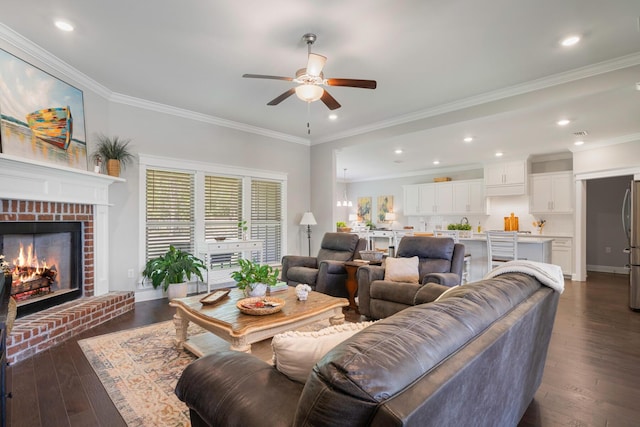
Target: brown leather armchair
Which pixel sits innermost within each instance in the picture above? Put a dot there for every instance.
(324, 273)
(440, 261)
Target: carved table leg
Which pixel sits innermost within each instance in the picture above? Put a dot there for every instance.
(240, 344)
(181, 325)
(337, 318)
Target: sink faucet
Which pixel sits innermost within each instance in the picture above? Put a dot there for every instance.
(464, 220)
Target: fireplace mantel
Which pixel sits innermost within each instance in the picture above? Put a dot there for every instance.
(23, 179)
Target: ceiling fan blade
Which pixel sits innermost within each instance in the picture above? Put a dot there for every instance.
(315, 64)
(364, 84)
(330, 101)
(262, 76)
(277, 100)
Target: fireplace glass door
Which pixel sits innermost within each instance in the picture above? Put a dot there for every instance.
(44, 259)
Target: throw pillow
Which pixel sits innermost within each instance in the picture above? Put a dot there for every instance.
(402, 270)
(295, 353)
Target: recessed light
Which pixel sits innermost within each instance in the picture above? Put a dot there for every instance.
(563, 122)
(570, 41)
(398, 151)
(578, 143)
(333, 116)
(468, 139)
(436, 162)
(64, 26)
(499, 154)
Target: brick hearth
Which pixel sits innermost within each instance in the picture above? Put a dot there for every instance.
(39, 331)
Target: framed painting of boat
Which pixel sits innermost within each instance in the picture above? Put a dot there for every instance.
(41, 117)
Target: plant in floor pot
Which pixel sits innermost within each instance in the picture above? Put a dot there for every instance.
(253, 278)
(115, 151)
(171, 269)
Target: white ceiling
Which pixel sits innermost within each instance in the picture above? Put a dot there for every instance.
(445, 69)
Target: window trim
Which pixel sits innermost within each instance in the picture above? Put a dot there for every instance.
(200, 169)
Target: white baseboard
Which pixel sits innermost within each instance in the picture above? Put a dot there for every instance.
(608, 269)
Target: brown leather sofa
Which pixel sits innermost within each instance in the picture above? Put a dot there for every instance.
(475, 357)
(440, 260)
(325, 273)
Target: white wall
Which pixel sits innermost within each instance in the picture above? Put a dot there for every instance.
(167, 135)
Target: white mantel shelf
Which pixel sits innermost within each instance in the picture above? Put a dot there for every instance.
(24, 179)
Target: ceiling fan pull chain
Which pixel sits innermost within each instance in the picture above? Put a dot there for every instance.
(308, 118)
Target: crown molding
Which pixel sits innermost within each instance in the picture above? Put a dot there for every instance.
(32, 49)
(634, 137)
(520, 89)
(192, 115)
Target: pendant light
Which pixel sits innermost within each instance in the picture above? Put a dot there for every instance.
(345, 200)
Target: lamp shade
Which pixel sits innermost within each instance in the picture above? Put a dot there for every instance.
(389, 216)
(309, 92)
(308, 219)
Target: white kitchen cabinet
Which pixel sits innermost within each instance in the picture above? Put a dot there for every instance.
(551, 193)
(562, 254)
(436, 198)
(468, 197)
(411, 200)
(506, 179)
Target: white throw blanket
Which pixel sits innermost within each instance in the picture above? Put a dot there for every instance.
(547, 274)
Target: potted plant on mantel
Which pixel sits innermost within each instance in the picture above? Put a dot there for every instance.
(169, 271)
(115, 151)
(254, 278)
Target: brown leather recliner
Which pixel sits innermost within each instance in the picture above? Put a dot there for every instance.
(324, 273)
(440, 261)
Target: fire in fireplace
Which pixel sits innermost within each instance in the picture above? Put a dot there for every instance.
(45, 259)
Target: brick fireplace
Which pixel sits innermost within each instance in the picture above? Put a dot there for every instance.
(35, 192)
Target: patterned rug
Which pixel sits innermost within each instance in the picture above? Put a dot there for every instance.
(139, 368)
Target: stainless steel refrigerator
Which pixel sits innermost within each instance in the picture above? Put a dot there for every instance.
(631, 224)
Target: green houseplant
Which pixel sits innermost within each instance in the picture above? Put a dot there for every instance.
(172, 268)
(251, 274)
(341, 226)
(115, 151)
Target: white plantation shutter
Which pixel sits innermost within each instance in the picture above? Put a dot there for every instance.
(222, 212)
(170, 211)
(266, 217)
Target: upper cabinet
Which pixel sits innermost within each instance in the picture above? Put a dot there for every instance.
(551, 193)
(468, 197)
(443, 198)
(506, 179)
(435, 198)
(411, 200)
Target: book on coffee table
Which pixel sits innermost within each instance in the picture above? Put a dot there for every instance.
(279, 287)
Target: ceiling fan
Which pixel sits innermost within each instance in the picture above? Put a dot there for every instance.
(311, 79)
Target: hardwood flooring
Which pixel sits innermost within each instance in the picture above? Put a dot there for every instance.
(592, 374)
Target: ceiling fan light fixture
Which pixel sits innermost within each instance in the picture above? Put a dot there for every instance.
(309, 93)
(315, 64)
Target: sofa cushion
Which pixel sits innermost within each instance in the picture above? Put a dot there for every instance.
(295, 353)
(400, 292)
(402, 269)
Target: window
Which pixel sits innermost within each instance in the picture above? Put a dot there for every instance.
(186, 202)
(170, 213)
(266, 217)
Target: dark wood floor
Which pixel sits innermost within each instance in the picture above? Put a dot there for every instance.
(592, 375)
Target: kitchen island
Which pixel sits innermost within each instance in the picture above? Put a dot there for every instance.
(530, 248)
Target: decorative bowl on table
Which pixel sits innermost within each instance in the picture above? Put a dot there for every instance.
(371, 255)
(219, 239)
(259, 306)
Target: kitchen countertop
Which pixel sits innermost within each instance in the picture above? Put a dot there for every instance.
(521, 238)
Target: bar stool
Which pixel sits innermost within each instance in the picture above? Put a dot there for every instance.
(502, 246)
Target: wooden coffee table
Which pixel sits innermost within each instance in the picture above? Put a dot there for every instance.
(241, 330)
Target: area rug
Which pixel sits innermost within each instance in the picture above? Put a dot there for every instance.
(139, 368)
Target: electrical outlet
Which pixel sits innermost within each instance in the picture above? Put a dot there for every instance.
(130, 273)
(607, 249)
